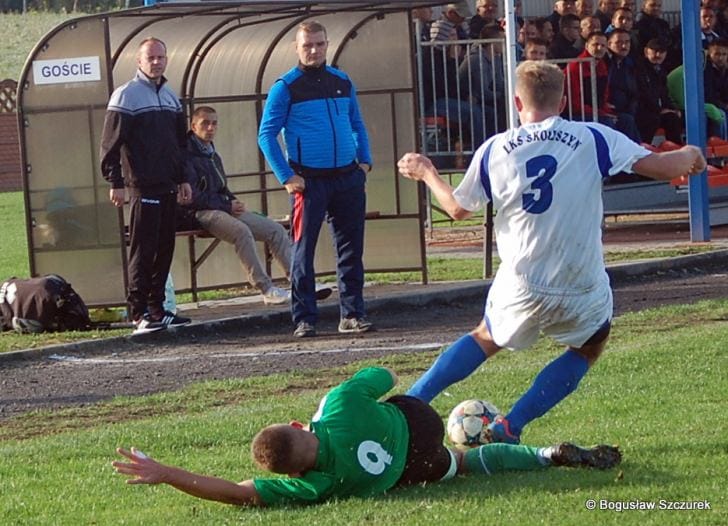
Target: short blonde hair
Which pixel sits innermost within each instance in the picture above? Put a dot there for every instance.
(311, 26)
(539, 84)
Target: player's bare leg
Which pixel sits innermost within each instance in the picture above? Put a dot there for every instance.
(455, 363)
(595, 345)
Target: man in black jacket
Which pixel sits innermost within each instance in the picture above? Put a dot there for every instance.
(654, 108)
(561, 8)
(604, 12)
(716, 74)
(622, 84)
(564, 44)
(216, 209)
(142, 149)
(651, 24)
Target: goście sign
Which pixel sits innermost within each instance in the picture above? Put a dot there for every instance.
(64, 70)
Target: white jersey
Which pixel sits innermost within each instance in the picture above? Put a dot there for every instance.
(545, 181)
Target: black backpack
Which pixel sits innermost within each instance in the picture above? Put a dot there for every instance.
(44, 304)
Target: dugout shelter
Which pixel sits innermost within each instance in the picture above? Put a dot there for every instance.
(225, 55)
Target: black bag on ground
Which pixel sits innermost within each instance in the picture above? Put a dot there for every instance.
(44, 304)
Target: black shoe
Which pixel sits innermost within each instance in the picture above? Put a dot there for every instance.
(323, 291)
(145, 324)
(172, 320)
(599, 457)
(304, 330)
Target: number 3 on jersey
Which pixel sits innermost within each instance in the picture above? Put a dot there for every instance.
(542, 168)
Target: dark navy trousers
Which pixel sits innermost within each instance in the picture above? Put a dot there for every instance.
(341, 200)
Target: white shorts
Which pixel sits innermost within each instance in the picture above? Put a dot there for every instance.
(515, 312)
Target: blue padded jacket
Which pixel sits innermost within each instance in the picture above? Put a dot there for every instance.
(317, 110)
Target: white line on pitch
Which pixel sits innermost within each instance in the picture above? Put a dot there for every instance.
(122, 361)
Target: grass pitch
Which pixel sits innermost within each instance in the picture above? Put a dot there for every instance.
(659, 392)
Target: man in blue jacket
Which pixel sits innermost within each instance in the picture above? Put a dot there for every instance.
(324, 172)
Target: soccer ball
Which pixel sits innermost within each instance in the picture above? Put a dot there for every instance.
(467, 424)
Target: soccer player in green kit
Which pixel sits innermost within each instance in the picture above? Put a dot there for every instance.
(357, 445)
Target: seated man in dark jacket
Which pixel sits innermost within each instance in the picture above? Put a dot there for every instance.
(654, 108)
(216, 209)
(715, 79)
(622, 84)
(564, 44)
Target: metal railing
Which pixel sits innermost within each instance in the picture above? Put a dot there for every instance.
(462, 97)
(462, 102)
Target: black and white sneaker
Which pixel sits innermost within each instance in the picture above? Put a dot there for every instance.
(145, 325)
(348, 325)
(173, 320)
(598, 457)
(304, 330)
(323, 291)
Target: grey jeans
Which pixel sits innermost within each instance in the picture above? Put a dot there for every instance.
(243, 232)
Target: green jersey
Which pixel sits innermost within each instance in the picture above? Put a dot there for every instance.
(363, 444)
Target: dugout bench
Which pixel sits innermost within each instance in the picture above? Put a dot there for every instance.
(195, 261)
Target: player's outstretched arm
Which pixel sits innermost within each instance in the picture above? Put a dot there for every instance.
(146, 470)
(663, 166)
(419, 168)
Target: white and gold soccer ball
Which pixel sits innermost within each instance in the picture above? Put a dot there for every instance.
(467, 425)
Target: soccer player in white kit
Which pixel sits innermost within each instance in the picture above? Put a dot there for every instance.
(544, 178)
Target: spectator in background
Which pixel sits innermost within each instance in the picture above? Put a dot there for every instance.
(623, 18)
(536, 49)
(716, 74)
(604, 12)
(528, 31)
(584, 8)
(561, 8)
(520, 37)
(708, 23)
(481, 74)
(452, 24)
(716, 125)
(722, 14)
(578, 84)
(651, 24)
(564, 44)
(587, 26)
(444, 98)
(517, 9)
(424, 15)
(486, 14)
(545, 29)
(622, 91)
(628, 4)
(654, 108)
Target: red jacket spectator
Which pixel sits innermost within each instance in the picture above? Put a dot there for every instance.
(578, 87)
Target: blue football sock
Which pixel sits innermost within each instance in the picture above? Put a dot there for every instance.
(554, 383)
(455, 363)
